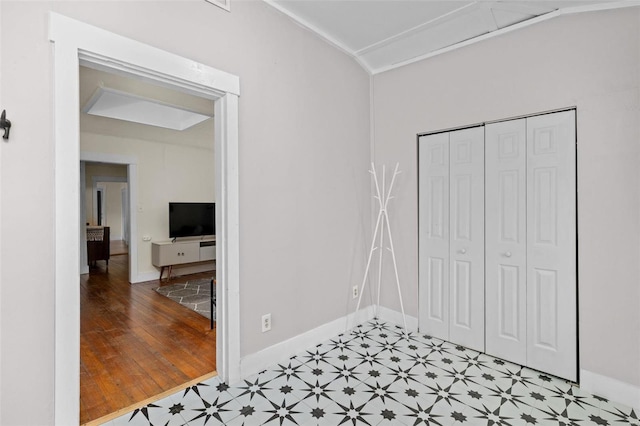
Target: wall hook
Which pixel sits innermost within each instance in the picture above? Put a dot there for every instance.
(5, 124)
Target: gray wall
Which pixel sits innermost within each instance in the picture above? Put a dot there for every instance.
(304, 152)
(589, 61)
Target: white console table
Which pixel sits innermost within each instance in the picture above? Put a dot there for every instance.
(166, 254)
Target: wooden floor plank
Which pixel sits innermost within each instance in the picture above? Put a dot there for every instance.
(136, 344)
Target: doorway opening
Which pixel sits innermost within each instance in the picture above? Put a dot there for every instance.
(104, 202)
(109, 168)
(131, 333)
(75, 44)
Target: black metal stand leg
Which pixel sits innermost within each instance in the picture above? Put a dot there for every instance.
(212, 288)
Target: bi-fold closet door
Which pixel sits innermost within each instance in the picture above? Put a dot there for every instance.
(514, 235)
(451, 235)
(531, 245)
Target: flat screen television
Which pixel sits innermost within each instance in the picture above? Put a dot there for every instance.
(192, 219)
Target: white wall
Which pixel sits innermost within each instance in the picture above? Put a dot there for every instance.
(0, 224)
(166, 172)
(304, 189)
(26, 163)
(113, 207)
(590, 61)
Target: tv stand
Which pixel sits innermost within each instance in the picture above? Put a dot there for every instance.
(166, 254)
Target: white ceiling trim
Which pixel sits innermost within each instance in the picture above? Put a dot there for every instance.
(601, 6)
(525, 9)
(474, 40)
(357, 55)
(514, 27)
(432, 23)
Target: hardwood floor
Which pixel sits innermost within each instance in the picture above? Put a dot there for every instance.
(134, 343)
(117, 247)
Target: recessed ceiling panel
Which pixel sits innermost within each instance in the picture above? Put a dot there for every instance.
(125, 106)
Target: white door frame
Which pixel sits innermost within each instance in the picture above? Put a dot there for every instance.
(132, 182)
(124, 228)
(76, 43)
(95, 186)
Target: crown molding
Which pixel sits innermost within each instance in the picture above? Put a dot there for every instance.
(358, 55)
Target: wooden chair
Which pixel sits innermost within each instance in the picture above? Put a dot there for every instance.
(98, 244)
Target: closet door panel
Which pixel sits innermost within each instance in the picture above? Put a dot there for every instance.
(551, 244)
(466, 251)
(506, 249)
(434, 234)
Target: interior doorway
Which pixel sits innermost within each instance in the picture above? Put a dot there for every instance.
(77, 43)
(104, 201)
(108, 210)
(126, 170)
(132, 336)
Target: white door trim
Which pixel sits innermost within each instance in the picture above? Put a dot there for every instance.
(132, 180)
(74, 43)
(126, 215)
(84, 261)
(96, 182)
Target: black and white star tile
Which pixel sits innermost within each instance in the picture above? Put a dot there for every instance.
(378, 375)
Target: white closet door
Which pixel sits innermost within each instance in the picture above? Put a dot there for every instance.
(506, 248)
(434, 234)
(466, 250)
(551, 244)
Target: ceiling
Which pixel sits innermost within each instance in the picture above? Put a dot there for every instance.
(385, 34)
(92, 81)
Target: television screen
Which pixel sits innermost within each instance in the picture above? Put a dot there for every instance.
(192, 219)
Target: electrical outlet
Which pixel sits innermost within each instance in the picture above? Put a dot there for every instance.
(356, 291)
(266, 322)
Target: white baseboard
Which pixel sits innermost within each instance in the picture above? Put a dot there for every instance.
(395, 317)
(612, 389)
(146, 276)
(256, 362)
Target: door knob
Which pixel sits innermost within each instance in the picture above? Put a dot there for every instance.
(463, 251)
(507, 254)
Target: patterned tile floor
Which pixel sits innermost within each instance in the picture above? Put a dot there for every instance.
(376, 375)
